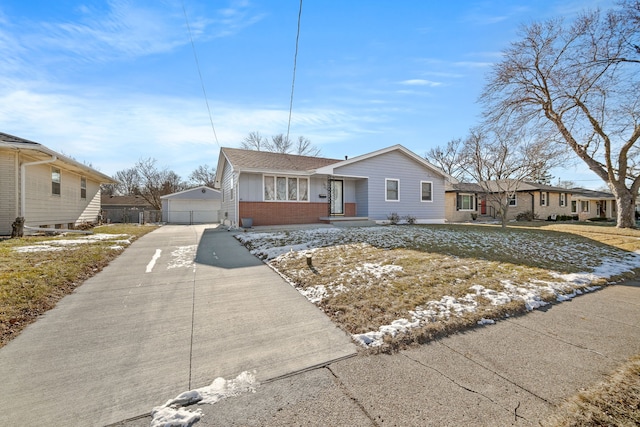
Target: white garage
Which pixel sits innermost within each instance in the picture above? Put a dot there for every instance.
(200, 205)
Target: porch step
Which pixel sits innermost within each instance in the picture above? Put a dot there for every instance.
(348, 221)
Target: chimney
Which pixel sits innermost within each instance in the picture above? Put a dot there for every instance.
(346, 157)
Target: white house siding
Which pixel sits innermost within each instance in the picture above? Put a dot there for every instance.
(8, 191)
(46, 209)
(228, 207)
(410, 173)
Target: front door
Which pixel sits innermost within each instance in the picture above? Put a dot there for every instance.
(337, 197)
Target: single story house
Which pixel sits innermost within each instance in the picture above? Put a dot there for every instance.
(199, 205)
(464, 201)
(47, 189)
(125, 209)
(589, 204)
(265, 188)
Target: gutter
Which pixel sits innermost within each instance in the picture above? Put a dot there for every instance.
(23, 182)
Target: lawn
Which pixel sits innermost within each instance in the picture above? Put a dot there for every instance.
(397, 285)
(36, 272)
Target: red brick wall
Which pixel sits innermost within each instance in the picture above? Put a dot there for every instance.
(276, 213)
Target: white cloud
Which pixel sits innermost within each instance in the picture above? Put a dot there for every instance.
(420, 82)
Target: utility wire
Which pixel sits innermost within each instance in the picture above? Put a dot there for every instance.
(295, 60)
(195, 55)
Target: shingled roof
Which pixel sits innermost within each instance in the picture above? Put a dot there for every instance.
(248, 160)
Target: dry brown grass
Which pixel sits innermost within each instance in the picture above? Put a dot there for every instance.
(33, 282)
(375, 277)
(613, 402)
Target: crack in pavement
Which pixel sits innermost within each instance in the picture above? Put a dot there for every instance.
(496, 373)
(515, 411)
(346, 392)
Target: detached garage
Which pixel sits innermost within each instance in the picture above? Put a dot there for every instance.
(200, 205)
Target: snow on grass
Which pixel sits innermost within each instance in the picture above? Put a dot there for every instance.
(174, 414)
(60, 244)
(572, 263)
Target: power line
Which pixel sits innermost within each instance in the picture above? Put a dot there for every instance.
(195, 55)
(295, 61)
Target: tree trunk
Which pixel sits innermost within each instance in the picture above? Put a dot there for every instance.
(626, 209)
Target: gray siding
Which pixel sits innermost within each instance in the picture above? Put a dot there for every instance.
(395, 165)
(8, 191)
(228, 206)
(361, 196)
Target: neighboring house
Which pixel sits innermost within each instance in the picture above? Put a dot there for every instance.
(46, 188)
(268, 188)
(467, 200)
(125, 209)
(200, 205)
(589, 204)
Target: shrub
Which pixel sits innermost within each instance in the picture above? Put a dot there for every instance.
(393, 218)
(410, 219)
(526, 216)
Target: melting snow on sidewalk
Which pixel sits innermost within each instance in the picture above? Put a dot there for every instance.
(174, 414)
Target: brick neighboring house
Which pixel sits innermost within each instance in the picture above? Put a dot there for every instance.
(273, 188)
(467, 200)
(46, 188)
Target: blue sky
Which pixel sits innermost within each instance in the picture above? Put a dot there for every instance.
(110, 82)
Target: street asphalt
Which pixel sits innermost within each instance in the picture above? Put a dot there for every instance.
(180, 307)
(129, 340)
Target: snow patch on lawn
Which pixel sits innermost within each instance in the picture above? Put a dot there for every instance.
(533, 294)
(55, 245)
(174, 414)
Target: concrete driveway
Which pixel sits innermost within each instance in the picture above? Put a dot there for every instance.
(180, 307)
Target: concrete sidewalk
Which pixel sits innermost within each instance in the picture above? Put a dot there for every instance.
(155, 323)
(510, 373)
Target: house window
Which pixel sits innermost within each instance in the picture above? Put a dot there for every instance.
(83, 187)
(269, 188)
(425, 191)
(544, 199)
(563, 199)
(584, 206)
(513, 201)
(574, 206)
(55, 181)
(393, 190)
(282, 188)
(466, 202)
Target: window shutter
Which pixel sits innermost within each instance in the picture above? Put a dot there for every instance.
(458, 201)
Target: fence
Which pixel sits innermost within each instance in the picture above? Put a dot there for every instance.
(131, 215)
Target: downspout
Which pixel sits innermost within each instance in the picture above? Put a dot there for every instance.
(236, 199)
(23, 182)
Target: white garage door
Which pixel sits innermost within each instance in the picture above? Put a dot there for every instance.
(193, 211)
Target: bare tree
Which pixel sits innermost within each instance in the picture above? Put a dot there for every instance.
(501, 160)
(305, 148)
(128, 184)
(450, 158)
(156, 182)
(280, 143)
(255, 141)
(203, 175)
(579, 82)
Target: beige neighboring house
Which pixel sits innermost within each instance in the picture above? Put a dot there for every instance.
(46, 188)
(589, 204)
(465, 201)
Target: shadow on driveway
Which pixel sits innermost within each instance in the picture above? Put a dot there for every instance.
(218, 248)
